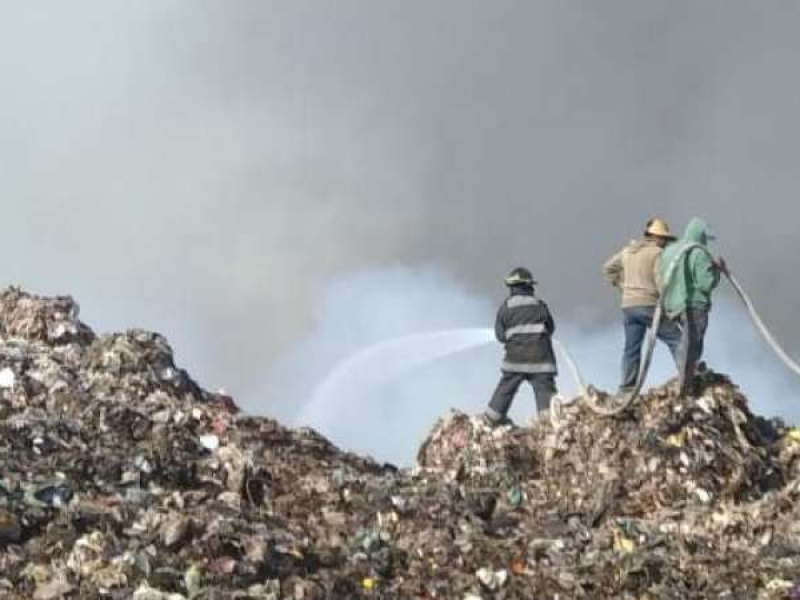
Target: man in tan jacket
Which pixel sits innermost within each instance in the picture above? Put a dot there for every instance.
(634, 271)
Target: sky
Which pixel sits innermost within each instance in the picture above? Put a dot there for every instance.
(210, 169)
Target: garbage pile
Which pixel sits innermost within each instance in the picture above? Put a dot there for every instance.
(120, 477)
(664, 453)
(691, 490)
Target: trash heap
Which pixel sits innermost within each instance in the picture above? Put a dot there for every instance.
(120, 477)
(684, 497)
(663, 454)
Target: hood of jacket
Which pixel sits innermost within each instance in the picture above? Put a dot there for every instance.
(697, 232)
(694, 278)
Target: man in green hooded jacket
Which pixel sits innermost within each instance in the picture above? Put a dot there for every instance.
(687, 295)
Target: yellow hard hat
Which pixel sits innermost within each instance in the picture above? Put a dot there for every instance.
(658, 228)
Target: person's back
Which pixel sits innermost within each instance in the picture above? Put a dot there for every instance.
(633, 270)
(695, 276)
(524, 326)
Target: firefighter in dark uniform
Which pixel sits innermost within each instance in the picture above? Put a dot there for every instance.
(524, 324)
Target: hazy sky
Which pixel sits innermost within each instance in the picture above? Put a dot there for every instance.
(206, 168)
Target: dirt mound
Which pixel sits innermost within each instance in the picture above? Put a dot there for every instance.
(120, 477)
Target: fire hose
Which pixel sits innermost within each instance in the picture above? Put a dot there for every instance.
(589, 392)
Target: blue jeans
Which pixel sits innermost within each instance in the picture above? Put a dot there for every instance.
(637, 320)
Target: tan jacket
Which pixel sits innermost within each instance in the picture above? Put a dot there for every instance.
(634, 270)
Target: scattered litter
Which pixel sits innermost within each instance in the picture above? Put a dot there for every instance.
(210, 442)
(120, 477)
(7, 379)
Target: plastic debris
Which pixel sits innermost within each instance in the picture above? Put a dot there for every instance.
(492, 580)
(120, 477)
(7, 378)
(209, 442)
(10, 528)
(53, 590)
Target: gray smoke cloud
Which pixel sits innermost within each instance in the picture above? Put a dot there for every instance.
(207, 168)
(401, 382)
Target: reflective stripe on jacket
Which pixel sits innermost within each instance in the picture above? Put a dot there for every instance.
(524, 324)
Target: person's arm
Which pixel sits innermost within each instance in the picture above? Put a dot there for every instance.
(612, 270)
(705, 273)
(500, 326)
(549, 322)
(716, 275)
(657, 274)
(722, 266)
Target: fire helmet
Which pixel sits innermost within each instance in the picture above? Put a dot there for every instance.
(520, 276)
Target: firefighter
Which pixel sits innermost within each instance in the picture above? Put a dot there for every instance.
(525, 326)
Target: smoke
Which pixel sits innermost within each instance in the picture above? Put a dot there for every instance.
(386, 405)
(206, 169)
(366, 308)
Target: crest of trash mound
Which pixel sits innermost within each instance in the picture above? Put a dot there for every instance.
(664, 453)
(121, 477)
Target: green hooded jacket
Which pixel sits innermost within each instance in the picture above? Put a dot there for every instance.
(695, 276)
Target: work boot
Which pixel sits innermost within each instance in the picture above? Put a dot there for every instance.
(626, 391)
(690, 391)
(495, 423)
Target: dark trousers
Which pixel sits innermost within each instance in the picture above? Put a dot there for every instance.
(544, 387)
(637, 321)
(694, 323)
